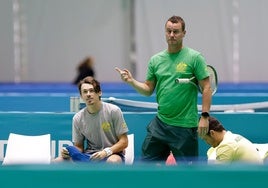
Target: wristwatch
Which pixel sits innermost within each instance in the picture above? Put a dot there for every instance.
(108, 151)
(205, 114)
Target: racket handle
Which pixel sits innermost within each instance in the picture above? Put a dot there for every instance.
(182, 80)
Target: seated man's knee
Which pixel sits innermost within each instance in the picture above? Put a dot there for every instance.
(115, 159)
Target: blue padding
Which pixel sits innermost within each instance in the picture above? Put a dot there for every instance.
(254, 126)
(133, 176)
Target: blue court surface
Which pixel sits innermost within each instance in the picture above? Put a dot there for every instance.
(55, 97)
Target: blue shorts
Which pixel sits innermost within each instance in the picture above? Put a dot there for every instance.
(78, 156)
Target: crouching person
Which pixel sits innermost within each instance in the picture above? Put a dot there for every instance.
(228, 147)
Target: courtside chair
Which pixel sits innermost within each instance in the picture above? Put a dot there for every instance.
(129, 155)
(25, 149)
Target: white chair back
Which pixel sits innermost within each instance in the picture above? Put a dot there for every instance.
(129, 156)
(24, 149)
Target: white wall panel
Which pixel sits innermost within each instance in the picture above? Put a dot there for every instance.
(57, 34)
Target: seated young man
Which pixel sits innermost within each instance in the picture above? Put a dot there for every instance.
(100, 125)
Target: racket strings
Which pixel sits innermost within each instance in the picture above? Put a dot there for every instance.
(213, 79)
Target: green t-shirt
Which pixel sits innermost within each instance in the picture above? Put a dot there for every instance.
(177, 103)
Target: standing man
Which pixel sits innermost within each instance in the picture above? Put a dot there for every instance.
(175, 127)
(99, 131)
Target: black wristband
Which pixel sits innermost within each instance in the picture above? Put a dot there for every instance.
(205, 114)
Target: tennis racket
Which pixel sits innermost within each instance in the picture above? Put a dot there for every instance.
(213, 78)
